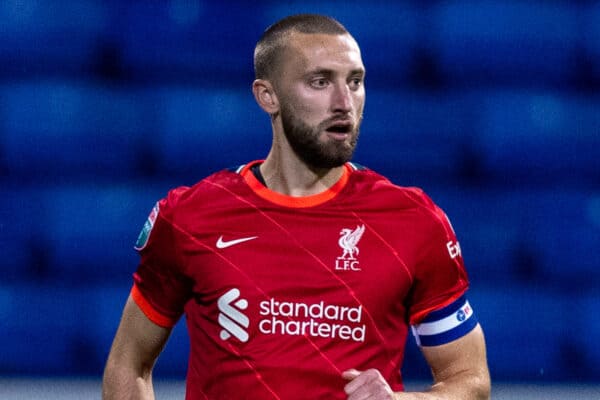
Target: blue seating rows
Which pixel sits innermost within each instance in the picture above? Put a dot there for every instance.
(490, 106)
(540, 135)
(529, 331)
(64, 128)
(204, 130)
(86, 232)
(507, 41)
(61, 131)
(74, 326)
(488, 42)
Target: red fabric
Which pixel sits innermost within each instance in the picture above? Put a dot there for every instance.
(305, 308)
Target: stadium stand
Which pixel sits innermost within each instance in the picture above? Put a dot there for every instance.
(491, 107)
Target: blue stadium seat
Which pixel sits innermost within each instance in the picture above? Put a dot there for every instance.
(15, 257)
(92, 229)
(41, 325)
(488, 229)
(76, 156)
(53, 330)
(387, 32)
(496, 42)
(526, 234)
(526, 329)
(591, 36)
(180, 40)
(50, 37)
(59, 329)
(64, 129)
(81, 233)
(203, 131)
(103, 307)
(23, 224)
(564, 233)
(528, 137)
(585, 333)
(414, 136)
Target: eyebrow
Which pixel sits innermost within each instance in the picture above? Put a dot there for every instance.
(358, 71)
(329, 72)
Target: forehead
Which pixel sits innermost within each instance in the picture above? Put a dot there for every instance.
(315, 51)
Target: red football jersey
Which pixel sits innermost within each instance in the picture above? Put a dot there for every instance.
(281, 294)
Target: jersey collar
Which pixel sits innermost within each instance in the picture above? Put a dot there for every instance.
(291, 201)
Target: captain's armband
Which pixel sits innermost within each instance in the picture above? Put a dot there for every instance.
(445, 325)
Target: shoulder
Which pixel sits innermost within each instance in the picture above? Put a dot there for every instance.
(380, 192)
(206, 192)
(374, 184)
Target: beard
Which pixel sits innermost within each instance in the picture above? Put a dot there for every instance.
(305, 141)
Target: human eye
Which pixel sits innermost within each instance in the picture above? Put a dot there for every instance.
(319, 82)
(356, 82)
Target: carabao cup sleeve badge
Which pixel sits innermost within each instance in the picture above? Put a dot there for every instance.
(142, 239)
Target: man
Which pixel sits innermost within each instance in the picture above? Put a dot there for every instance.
(299, 275)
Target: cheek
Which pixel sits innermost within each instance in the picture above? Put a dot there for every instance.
(311, 109)
(359, 102)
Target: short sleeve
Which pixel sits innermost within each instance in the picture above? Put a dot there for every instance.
(440, 276)
(161, 289)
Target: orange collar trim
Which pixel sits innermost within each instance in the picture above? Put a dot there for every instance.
(291, 201)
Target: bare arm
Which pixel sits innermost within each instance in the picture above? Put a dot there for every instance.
(459, 371)
(137, 344)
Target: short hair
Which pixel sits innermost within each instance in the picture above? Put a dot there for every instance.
(272, 42)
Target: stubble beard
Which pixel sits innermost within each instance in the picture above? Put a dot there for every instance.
(305, 142)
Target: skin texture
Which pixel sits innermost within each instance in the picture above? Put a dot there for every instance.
(315, 99)
(459, 371)
(319, 84)
(137, 344)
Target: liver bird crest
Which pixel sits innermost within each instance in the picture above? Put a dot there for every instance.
(348, 241)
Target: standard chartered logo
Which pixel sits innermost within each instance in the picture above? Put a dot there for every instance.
(231, 319)
(291, 319)
(317, 320)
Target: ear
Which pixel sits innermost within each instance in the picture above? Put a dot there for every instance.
(265, 96)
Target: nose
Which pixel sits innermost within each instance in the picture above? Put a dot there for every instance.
(341, 101)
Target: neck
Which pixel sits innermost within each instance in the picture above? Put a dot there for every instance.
(287, 174)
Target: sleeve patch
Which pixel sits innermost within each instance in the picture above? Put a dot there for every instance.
(142, 239)
(445, 325)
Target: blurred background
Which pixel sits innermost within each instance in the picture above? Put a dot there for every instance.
(492, 107)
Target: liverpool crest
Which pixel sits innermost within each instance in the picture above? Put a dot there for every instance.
(349, 243)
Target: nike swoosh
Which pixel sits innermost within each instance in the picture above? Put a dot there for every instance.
(222, 244)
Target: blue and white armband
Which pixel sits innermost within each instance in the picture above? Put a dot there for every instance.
(445, 325)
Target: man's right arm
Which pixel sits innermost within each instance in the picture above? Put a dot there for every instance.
(137, 344)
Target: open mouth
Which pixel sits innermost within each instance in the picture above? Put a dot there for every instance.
(340, 128)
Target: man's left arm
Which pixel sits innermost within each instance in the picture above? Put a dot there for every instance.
(459, 371)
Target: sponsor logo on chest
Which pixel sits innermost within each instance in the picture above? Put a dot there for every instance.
(290, 318)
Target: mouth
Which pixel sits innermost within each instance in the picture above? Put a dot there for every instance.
(340, 129)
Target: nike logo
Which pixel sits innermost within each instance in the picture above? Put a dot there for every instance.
(222, 244)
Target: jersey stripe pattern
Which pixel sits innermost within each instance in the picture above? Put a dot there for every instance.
(282, 294)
